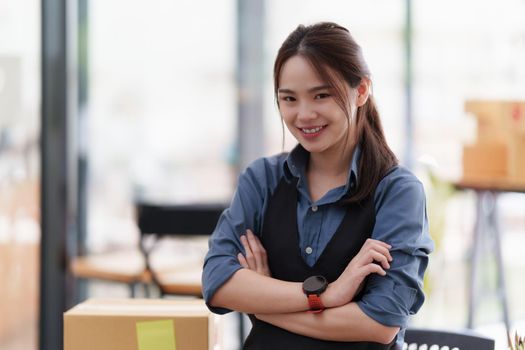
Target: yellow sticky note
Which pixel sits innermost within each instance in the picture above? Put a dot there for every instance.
(156, 335)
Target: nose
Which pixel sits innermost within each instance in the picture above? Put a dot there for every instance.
(306, 112)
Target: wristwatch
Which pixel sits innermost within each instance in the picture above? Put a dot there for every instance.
(313, 287)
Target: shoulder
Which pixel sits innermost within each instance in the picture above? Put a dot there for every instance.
(265, 172)
(401, 184)
(399, 177)
(401, 218)
(271, 166)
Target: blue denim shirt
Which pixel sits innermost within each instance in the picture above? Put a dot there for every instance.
(401, 221)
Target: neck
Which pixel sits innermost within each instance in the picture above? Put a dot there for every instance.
(332, 162)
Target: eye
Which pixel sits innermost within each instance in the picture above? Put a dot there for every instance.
(321, 96)
(288, 98)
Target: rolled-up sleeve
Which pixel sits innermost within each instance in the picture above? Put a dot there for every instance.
(245, 212)
(401, 221)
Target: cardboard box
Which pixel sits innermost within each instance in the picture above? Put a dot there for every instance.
(499, 152)
(497, 120)
(486, 161)
(517, 159)
(141, 324)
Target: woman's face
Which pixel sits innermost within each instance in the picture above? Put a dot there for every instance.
(309, 109)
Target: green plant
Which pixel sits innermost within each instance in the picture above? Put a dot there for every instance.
(519, 343)
(440, 191)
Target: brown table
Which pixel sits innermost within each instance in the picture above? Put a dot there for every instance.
(175, 274)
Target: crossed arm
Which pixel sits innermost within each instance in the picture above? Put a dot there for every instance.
(283, 304)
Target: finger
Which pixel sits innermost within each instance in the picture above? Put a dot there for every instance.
(383, 251)
(265, 266)
(267, 271)
(262, 264)
(381, 243)
(245, 244)
(242, 261)
(371, 241)
(264, 259)
(256, 246)
(381, 247)
(264, 254)
(374, 255)
(249, 254)
(374, 268)
(261, 247)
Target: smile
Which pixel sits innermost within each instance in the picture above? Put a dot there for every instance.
(312, 130)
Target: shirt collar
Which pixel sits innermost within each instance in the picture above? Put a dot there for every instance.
(297, 159)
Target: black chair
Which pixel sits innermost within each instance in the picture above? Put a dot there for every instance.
(187, 219)
(466, 340)
(156, 221)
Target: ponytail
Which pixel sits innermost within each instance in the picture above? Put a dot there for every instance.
(376, 156)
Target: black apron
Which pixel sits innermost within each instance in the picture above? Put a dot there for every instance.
(280, 239)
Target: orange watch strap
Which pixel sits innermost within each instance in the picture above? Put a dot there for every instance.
(315, 303)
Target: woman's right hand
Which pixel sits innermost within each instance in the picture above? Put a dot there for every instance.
(374, 257)
(256, 258)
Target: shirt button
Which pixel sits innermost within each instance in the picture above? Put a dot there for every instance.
(308, 250)
(314, 208)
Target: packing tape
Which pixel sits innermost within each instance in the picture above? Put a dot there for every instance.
(156, 335)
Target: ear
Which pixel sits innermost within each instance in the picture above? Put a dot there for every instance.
(363, 91)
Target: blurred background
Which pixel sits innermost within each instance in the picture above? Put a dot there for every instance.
(166, 100)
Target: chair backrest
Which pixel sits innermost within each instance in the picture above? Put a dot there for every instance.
(466, 340)
(157, 220)
(164, 220)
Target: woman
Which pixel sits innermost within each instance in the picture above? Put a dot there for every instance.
(324, 247)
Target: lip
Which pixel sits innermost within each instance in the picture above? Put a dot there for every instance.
(312, 135)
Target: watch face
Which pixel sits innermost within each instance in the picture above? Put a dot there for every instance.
(314, 285)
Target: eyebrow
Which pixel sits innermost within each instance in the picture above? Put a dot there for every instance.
(314, 89)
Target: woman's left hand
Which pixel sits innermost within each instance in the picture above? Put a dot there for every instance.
(256, 258)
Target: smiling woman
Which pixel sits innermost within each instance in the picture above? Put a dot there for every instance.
(312, 115)
(339, 199)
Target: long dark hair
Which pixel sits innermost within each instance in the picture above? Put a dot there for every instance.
(329, 47)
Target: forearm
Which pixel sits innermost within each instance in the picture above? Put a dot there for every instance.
(249, 292)
(344, 323)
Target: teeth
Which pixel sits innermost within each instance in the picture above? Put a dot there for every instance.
(312, 131)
